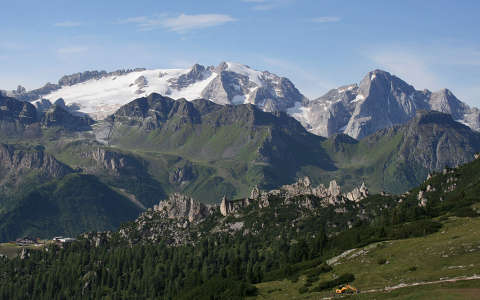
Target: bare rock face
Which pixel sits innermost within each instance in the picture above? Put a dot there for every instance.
(239, 84)
(181, 175)
(179, 207)
(224, 206)
(197, 73)
(380, 100)
(18, 160)
(12, 110)
(141, 82)
(358, 194)
(334, 189)
(303, 187)
(228, 207)
(113, 162)
(59, 115)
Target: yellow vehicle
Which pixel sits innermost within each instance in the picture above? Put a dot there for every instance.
(347, 289)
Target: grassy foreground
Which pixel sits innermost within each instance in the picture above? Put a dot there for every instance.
(452, 252)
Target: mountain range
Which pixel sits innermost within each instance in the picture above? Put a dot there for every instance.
(379, 101)
(150, 145)
(155, 146)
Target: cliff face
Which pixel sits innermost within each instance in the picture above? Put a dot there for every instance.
(180, 207)
(58, 115)
(16, 161)
(380, 100)
(22, 119)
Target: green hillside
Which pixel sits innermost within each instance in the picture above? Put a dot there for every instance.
(68, 206)
(453, 252)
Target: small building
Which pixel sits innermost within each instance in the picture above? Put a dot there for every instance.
(60, 240)
(25, 241)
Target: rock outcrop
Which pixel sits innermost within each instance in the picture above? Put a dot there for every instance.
(180, 207)
(18, 159)
(17, 112)
(17, 162)
(330, 196)
(58, 115)
(358, 194)
(113, 162)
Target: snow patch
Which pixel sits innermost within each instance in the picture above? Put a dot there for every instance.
(359, 98)
(300, 112)
(462, 121)
(253, 75)
(101, 97)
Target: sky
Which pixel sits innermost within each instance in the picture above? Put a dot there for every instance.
(317, 44)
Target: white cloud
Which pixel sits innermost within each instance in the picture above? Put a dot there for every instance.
(67, 24)
(326, 19)
(72, 50)
(182, 23)
(267, 4)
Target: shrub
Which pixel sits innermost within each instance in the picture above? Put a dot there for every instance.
(303, 290)
(381, 260)
(323, 268)
(466, 211)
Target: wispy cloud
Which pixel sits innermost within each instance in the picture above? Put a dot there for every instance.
(182, 23)
(67, 24)
(267, 4)
(72, 50)
(326, 19)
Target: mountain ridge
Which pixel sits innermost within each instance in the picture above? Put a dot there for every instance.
(380, 100)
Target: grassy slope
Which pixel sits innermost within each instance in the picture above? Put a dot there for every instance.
(452, 252)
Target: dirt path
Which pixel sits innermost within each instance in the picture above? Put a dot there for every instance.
(404, 285)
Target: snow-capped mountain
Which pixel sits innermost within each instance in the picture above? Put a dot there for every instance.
(381, 100)
(99, 94)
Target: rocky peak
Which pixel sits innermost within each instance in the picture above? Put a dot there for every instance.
(179, 206)
(221, 67)
(358, 193)
(225, 207)
(196, 73)
(303, 187)
(58, 115)
(334, 189)
(42, 105)
(20, 90)
(445, 101)
(12, 110)
(75, 78)
(381, 100)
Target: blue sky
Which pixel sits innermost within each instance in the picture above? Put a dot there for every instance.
(318, 44)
